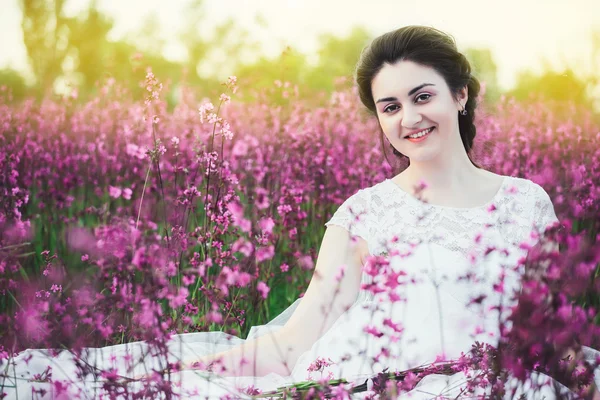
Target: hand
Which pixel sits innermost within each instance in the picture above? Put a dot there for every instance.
(144, 375)
(199, 364)
(204, 363)
(151, 373)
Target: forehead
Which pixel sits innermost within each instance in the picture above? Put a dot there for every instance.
(400, 77)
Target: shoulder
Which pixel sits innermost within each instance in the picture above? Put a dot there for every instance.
(355, 215)
(358, 206)
(527, 198)
(539, 203)
(363, 196)
(371, 198)
(352, 207)
(527, 188)
(536, 191)
(360, 198)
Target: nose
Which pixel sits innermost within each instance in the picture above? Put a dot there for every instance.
(411, 118)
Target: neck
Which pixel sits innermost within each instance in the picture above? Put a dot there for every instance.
(453, 171)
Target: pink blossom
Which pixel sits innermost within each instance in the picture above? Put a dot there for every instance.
(306, 262)
(265, 253)
(136, 151)
(240, 148)
(340, 273)
(224, 98)
(208, 106)
(114, 192)
(263, 289)
(372, 330)
(127, 192)
(214, 316)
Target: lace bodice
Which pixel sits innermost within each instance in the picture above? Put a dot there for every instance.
(384, 211)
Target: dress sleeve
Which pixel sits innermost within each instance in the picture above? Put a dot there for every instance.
(543, 213)
(352, 215)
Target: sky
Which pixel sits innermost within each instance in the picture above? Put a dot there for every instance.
(520, 33)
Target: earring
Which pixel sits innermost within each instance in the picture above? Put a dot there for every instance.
(464, 111)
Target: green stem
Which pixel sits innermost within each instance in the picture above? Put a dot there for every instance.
(142, 198)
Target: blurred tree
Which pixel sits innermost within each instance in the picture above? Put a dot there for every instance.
(46, 39)
(147, 38)
(14, 82)
(593, 78)
(128, 66)
(572, 83)
(197, 47)
(550, 85)
(128, 59)
(337, 59)
(234, 43)
(486, 70)
(211, 60)
(258, 78)
(88, 46)
(80, 43)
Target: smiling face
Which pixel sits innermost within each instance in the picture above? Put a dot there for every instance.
(411, 97)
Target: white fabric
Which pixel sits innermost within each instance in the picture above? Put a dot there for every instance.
(437, 247)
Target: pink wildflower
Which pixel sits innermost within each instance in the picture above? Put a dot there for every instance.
(263, 289)
(114, 192)
(127, 192)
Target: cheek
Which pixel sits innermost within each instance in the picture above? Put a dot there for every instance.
(389, 127)
(388, 132)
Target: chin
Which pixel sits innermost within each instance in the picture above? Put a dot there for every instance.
(422, 156)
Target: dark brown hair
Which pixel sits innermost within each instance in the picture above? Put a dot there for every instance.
(425, 46)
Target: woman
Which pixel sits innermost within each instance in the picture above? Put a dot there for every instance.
(354, 321)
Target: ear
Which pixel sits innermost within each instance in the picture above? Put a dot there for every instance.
(463, 96)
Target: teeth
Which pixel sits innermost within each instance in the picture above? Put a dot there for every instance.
(422, 133)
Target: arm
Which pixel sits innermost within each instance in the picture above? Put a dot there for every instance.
(324, 301)
(256, 357)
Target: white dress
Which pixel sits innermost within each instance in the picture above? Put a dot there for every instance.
(435, 247)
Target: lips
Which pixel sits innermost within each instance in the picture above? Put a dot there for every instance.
(405, 137)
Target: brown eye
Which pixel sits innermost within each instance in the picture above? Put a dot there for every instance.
(385, 110)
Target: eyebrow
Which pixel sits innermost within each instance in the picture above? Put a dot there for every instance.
(409, 93)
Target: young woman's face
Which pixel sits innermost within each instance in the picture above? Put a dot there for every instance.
(411, 97)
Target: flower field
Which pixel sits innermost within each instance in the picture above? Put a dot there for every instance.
(125, 219)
